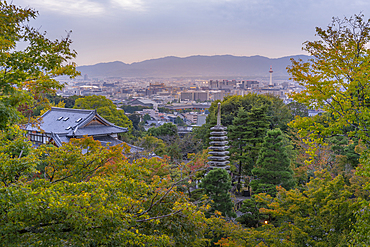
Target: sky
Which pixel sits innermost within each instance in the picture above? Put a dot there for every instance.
(136, 30)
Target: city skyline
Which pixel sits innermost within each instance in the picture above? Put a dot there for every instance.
(136, 30)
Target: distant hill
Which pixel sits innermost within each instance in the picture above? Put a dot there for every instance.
(194, 66)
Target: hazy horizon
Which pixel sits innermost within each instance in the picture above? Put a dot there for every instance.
(136, 30)
(189, 57)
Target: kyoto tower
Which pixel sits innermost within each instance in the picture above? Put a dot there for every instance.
(270, 84)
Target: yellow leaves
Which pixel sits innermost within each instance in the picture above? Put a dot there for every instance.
(61, 104)
(218, 213)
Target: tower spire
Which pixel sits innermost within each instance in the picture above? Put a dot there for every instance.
(271, 84)
(219, 114)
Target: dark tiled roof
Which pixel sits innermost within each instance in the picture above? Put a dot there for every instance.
(96, 130)
(56, 122)
(50, 122)
(135, 149)
(72, 122)
(107, 140)
(104, 140)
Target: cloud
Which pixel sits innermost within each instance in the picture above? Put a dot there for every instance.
(69, 7)
(85, 7)
(129, 4)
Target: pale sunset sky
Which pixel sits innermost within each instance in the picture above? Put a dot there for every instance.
(136, 30)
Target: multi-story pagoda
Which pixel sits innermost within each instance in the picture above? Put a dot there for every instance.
(218, 145)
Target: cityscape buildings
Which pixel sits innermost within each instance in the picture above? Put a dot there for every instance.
(187, 98)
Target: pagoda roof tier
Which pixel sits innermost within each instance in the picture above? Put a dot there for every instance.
(219, 143)
(218, 153)
(218, 138)
(218, 158)
(218, 163)
(218, 133)
(219, 148)
(218, 127)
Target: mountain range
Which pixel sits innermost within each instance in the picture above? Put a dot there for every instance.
(194, 66)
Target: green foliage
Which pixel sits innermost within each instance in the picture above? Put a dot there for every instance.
(152, 145)
(196, 195)
(138, 127)
(55, 100)
(147, 117)
(173, 150)
(177, 148)
(298, 109)
(135, 119)
(246, 136)
(273, 166)
(344, 146)
(360, 235)
(189, 144)
(167, 130)
(278, 113)
(95, 198)
(69, 101)
(336, 80)
(133, 109)
(255, 131)
(105, 108)
(68, 164)
(322, 213)
(163, 110)
(252, 216)
(179, 121)
(237, 141)
(28, 74)
(276, 110)
(216, 185)
(17, 157)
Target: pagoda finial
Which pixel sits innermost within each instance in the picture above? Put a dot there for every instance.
(219, 114)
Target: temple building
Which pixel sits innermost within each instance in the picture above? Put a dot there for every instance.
(59, 125)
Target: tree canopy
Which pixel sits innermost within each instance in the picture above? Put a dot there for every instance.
(336, 80)
(105, 108)
(246, 135)
(95, 198)
(32, 68)
(320, 214)
(278, 113)
(273, 165)
(165, 131)
(217, 184)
